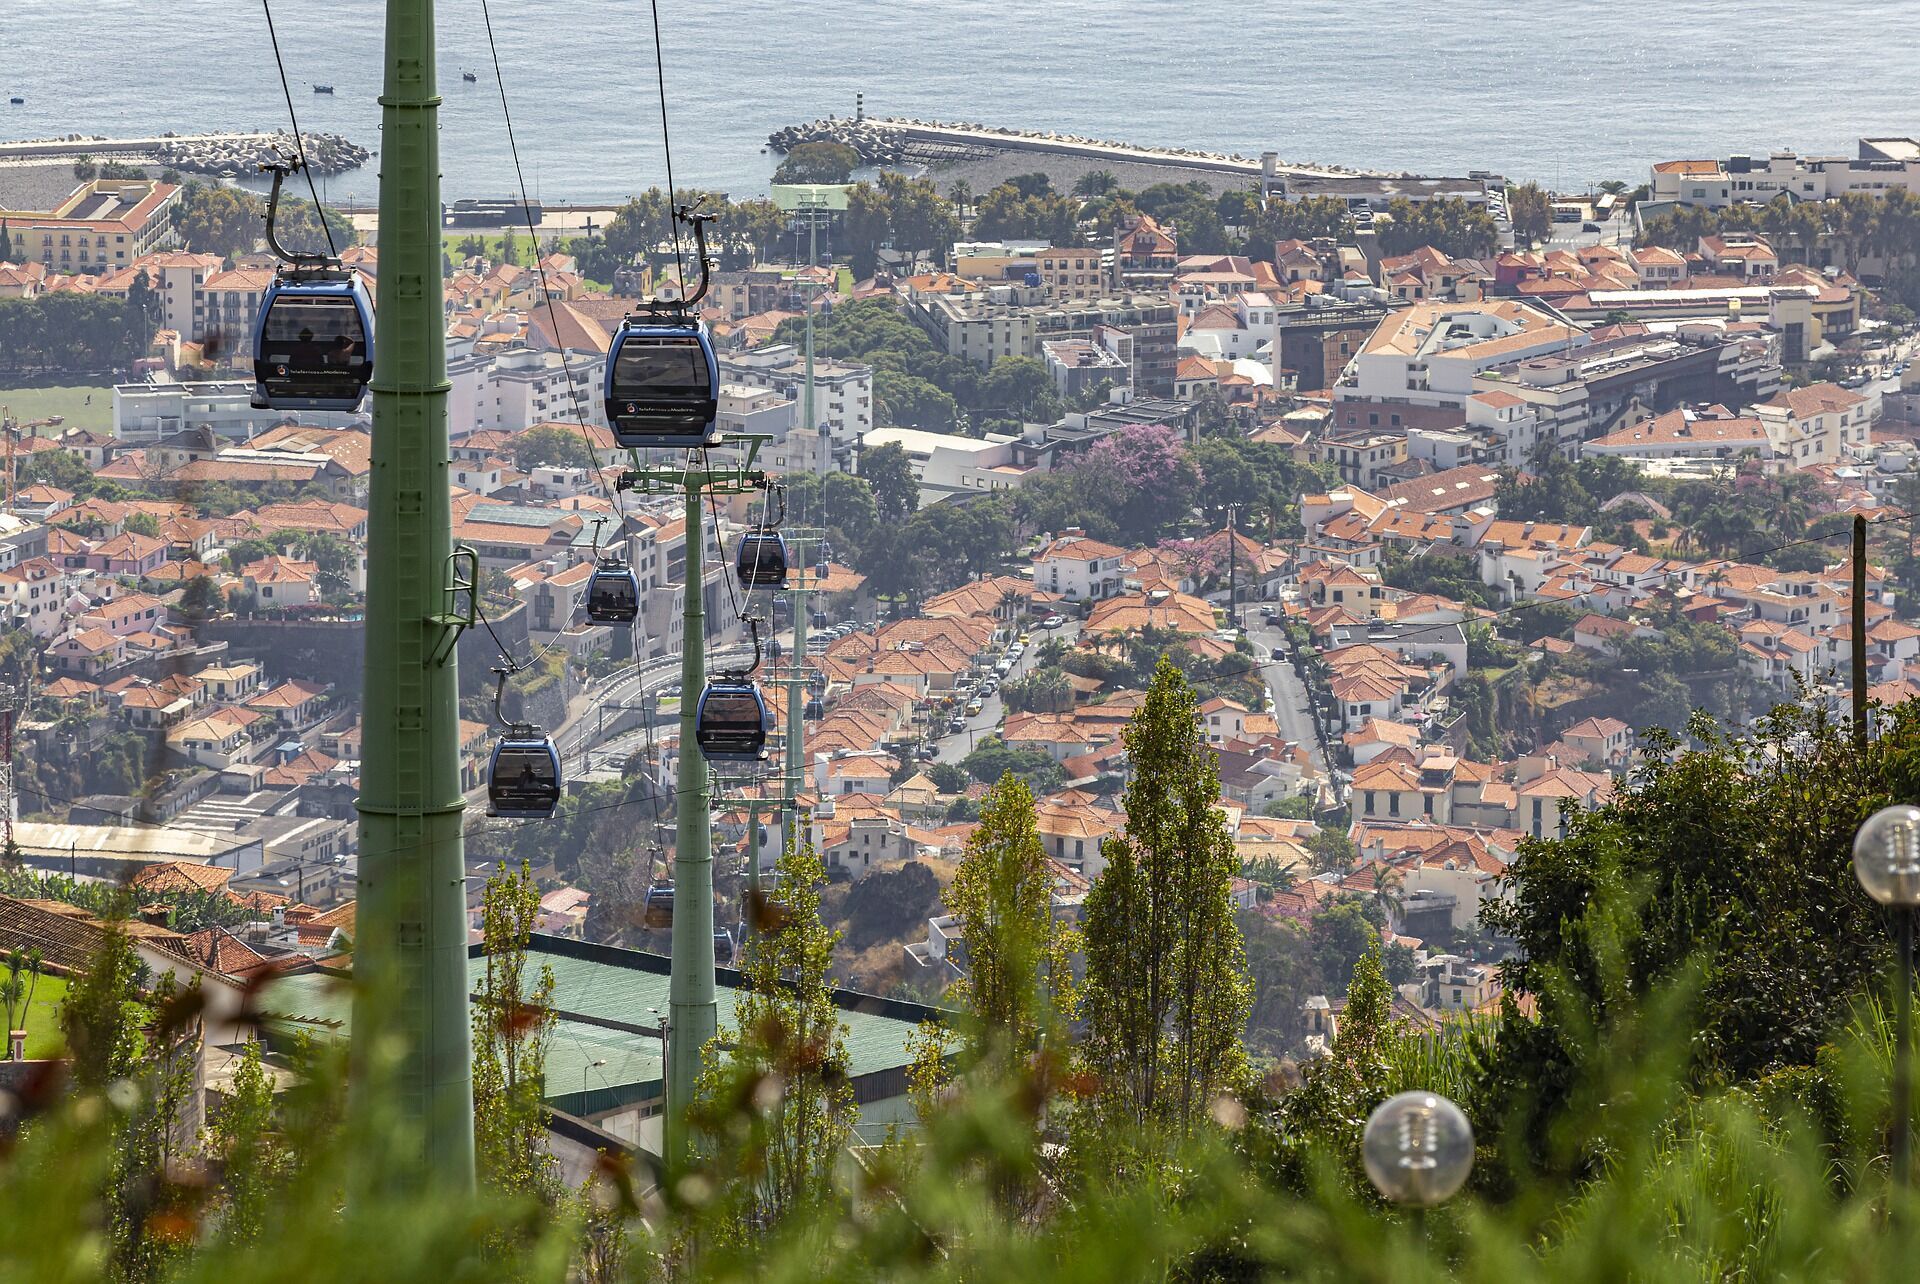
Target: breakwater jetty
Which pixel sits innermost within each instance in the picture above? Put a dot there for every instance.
(881, 140)
(229, 155)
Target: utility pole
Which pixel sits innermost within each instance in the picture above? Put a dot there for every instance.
(1233, 579)
(411, 1053)
(1859, 631)
(692, 1010)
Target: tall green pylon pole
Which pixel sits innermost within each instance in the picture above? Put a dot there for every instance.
(693, 1015)
(412, 1074)
(690, 993)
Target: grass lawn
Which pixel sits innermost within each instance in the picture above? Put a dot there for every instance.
(846, 281)
(43, 1018)
(43, 402)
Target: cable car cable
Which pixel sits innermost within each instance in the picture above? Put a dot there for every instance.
(299, 143)
(666, 148)
(540, 271)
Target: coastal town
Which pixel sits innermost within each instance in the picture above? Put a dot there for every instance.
(1452, 498)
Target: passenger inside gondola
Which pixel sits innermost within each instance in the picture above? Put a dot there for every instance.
(313, 346)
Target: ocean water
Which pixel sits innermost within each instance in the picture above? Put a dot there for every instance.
(1565, 91)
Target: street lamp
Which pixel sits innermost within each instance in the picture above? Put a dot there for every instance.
(1418, 1149)
(1886, 860)
(591, 1065)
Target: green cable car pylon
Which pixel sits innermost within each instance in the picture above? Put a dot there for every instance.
(692, 1006)
(411, 1050)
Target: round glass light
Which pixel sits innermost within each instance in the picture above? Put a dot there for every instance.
(1418, 1149)
(1886, 855)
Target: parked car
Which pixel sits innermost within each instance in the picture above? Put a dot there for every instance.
(973, 708)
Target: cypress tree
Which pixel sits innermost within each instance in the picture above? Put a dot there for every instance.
(1167, 992)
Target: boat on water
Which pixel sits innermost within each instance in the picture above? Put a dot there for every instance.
(469, 77)
(323, 89)
(17, 101)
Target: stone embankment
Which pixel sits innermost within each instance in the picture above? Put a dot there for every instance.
(896, 140)
(231, 155)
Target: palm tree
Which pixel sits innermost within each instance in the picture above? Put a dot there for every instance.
(960, 193)
(1095, 182)
(1386, 889)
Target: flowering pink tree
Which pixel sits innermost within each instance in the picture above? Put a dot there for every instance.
(1144, 478)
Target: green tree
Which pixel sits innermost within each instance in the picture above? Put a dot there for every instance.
(824, 162)
(1019, 982)
(1722, 867)
(896, 493)
(16, 991)
(1530, 209)
(790, 1053)
(1166, 990)
(244, 1139)
(865, 227)
(213, 219)
(513, 1024)
(993, 758)
(546, 444)
(1341, 1089)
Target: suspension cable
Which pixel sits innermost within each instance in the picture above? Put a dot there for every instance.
(299, 143)
(666, 146)
(540, 271)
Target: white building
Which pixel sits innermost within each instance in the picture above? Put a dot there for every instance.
(1820, 424)
(1428, 354)
(947, 465)
(147, 412)
(516, 389)
(1883, 165)
(1079, 569)
(842, 392)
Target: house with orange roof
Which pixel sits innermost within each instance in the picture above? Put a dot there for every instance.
(88, 653)
(1607, 741)
(293, 703)
(218, 740)
(1136, 613)
(1542, 799)
(1078, 569)
(1072, 833)
(1820, 423)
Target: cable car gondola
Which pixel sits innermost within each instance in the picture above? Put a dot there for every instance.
(523, 776)
(658, 911)
(313, 334)
(762, 561)
(613, 594)
(732, 720)
(662, 382)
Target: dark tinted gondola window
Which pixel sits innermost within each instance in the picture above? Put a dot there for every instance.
(525, 770)
(660, 367)
(314, 335)
(733, 711)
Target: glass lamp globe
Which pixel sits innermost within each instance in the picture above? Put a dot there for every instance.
(1418, 1149)
(1886, 855)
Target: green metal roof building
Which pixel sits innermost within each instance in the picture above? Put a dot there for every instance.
(604, 1064)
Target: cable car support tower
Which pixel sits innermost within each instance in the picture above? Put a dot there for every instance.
(411, 1051)
(693, 1013)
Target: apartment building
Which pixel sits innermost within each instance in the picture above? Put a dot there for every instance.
(946, 465)
(1074, 273)
(1881, 165)
(102, 225)
(1820, 424)
(842, 391)
(517, 388)
(1428, 354)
